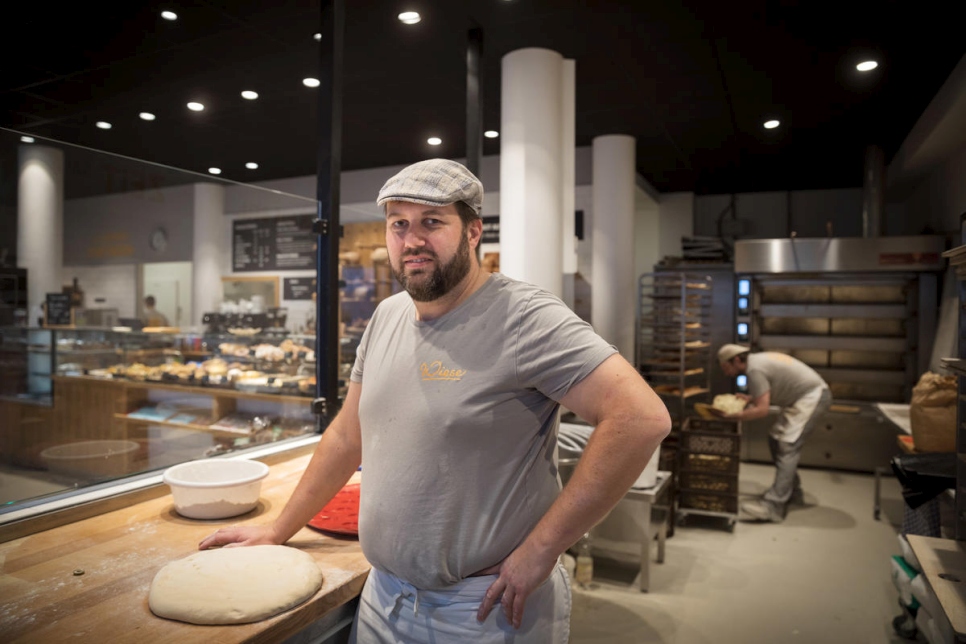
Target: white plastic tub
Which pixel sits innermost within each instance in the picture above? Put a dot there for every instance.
(215, 488)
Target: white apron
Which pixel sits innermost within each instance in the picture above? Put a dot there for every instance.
(392, 611)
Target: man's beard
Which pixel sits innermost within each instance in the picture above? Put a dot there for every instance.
(443, 278)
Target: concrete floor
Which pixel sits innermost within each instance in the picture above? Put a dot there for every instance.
(822, 576)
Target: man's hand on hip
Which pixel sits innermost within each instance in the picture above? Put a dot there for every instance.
(518, 576)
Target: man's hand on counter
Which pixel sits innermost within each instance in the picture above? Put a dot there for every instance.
(241, 536)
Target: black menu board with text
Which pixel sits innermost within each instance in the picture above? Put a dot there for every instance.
(58, 310)
(298, 288)
(273, 243)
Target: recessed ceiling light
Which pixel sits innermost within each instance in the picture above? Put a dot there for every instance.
(195, 107)
(318, 37)
(311, 82)
(409, 17)
(867, 65)
(27, 139)
(147, 116)
(772, 124)
(104, 125)
(249, 95)
(491, 134)
(251, 165)
(434, 140)
(169, 15)
(214, 170)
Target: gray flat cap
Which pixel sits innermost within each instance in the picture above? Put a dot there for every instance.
(434, 182)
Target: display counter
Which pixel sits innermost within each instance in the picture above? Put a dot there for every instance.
(169, 423)
(272, 361)
(90, 579)
(83, 406)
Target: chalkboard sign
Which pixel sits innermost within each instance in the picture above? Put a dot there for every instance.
(491, 230)
(274, 243)
(58, 311)
(298, 288)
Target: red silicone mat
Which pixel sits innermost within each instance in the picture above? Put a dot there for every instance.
(341, 514)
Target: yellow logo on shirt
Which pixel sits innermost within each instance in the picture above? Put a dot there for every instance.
(436, 371)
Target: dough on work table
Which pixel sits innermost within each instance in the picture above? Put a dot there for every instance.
(234, 585)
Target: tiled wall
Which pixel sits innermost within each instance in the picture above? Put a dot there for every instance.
(116, 284)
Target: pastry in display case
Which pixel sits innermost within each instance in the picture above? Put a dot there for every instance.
(250, 362)
(85, 406)
(178, 395)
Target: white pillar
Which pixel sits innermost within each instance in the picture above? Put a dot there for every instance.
(531, 168)
(568, 180)
(209, 257)
(40, 220)
(613, 291)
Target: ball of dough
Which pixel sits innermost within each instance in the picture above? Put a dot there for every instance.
(728, 403)
(234, 585)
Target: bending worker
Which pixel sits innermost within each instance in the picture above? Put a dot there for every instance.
(452, 406)
(778, 379)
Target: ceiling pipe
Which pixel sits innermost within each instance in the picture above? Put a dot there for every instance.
(873, 194)
(474, 100)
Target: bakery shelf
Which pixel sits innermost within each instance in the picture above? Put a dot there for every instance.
(697, 371)
(673, 338)
(216, 392)
(676, 393)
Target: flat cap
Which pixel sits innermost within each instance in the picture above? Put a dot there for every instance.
(729, 351)
(434, 182)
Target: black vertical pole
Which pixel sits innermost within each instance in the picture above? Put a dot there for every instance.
(327, 225)
(474, 101)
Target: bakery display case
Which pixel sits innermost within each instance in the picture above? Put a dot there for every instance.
(82, 406)
(247, 361)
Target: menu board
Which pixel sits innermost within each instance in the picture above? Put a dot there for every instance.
(491, 230)
(58, 311)
(273, 243)
(298, 288)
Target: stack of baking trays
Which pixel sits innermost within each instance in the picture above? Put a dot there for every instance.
(673, 342)
(709, 456)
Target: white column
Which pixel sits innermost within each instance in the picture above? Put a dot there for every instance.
(212, 249)
(531, 168)
(40, 220)
(613, 291)
(568, 180)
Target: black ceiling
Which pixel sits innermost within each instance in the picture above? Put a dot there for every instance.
(692, 81)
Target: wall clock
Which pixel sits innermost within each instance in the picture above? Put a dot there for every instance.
(158, 240)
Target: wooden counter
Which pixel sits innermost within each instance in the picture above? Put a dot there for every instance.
(42, 600)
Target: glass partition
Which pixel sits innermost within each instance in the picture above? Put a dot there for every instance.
(110, 389)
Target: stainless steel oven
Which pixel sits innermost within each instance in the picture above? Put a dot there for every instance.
(861, 311)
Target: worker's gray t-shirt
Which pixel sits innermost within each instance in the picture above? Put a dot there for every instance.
(787, 378)
(459, 426)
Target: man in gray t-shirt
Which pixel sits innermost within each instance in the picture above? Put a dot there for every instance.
(803, 396)
(452, 408)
